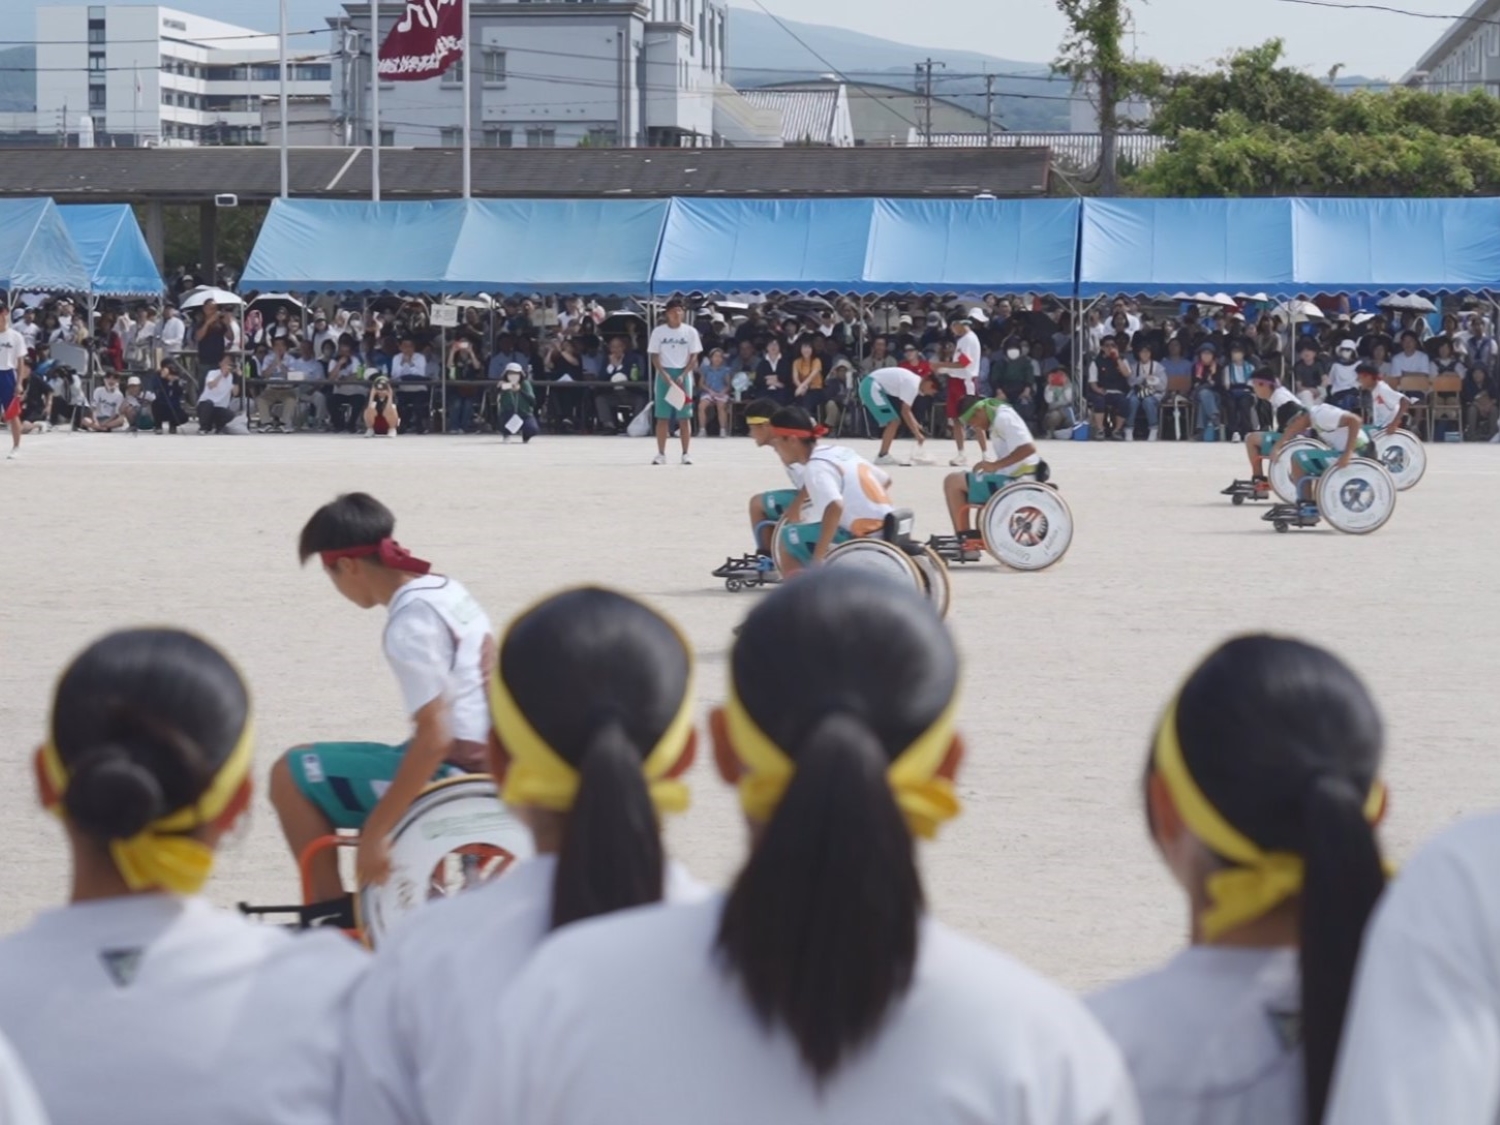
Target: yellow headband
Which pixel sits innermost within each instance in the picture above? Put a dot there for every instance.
(160, 855)
(1259, 880)
(539, 776)
(926, 799)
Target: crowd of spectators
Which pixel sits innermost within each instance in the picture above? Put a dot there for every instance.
(1129, 370)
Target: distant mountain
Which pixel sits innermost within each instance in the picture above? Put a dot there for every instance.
(18, 80)
(761, 52)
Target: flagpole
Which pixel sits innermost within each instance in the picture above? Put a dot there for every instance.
(375, 100)
(468, 57)
(286, 125)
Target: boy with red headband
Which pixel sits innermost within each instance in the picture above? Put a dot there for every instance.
(437, 640)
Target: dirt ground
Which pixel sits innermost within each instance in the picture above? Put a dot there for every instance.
(1066, 669)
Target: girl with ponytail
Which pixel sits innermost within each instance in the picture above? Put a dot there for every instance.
(592, 710)
(140, 1003)
(1262, 796)
(817, 990)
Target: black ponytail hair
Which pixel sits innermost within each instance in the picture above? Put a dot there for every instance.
(842, 672)
(142, 720)
(600, 677)
(1284, 740)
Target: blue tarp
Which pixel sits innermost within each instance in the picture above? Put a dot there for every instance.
(113, 250)
(36, 253)
(969, 245)
(1155, 246)
(1385, 245)
(314, 245)
(599, 246)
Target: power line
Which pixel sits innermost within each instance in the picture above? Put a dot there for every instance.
(1348, 5)
(158, 39)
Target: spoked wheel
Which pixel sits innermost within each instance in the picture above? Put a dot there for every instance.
(934, 573)
(1027, 526)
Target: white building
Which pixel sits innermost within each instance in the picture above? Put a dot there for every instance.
(550, 73)
(149, 75)
(1465, 57)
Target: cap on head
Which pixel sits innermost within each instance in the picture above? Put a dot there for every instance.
(133, 381)
(1346, 345)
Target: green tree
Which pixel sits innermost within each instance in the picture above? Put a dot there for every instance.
(238, 228)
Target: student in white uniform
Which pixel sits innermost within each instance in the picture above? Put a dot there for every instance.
(963, 383)
(1340, 430)
(843, 496)
(817, 989)
(1010, 455)
(590, 781)
(1388, 406)
(768, 507)
(888, 393)
(19, 1102)
(1262, 798)
(1285, 406)
(435, 638)
(141, 1003)
(1422, 1039)
(14, 371)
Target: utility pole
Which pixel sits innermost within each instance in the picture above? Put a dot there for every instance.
(926, 67)
(989, 110)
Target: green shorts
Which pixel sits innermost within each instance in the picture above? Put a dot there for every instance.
(776, 502)
(347, 779)
(663, 409)
(1268, 442)
(1315, 462)
(801, 540)
(873, 395)
(984, 485)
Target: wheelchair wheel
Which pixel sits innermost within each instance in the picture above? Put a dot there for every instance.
(1404, 457)
(876, 556)
(934, 573)
(1027, 526)
(1280, 470)
(1357, 499)
(785, 563)
(456, 834)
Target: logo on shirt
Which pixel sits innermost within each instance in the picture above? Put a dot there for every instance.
(122, 965)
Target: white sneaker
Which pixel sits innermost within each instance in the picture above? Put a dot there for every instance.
(960, 461)
(886, 459)
(13, 455)
(1130, 434)
(1153, 434)
(1496, 439)
(390, 433)
(370, 433)
(686, 460)
(659, 459)
(920, 458)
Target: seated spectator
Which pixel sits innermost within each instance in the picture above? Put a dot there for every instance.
(413, 391)
(1343, 378)
(214, 413)
(137, 407)
(382, 418)
(464, 402)
(837, 388)
(1410, 360)
(1175, 363)
(1446, 362)
(1241, 396)
(108, 406)
(1480, 398)
(626, 396)
(306, 369)
(347, 396)
(1108, 385)
(169, 407)
(1014, 378)
(773, 375)
(66, 404)
(714, 380)
(515, 405)
(1207, 386)
(277, 402)
(565, 399)
(1148, 381)
(1310, 372)
(1059, 417)
(807, 377)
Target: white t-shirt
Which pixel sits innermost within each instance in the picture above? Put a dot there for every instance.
(837, 473)
(218, 388)
(1212, 1037)
(157, 1010)
(632, 1019)
(19, 1101)
(107, 402)
(898, 383)
(1328, 420)
(30, 330)
(423, 1017)
(1007, 434)
(12, 350)
(1343, 377)
(1285, 406)
(966, 352)
(1385, 402)
(675, 346)
(1422, 1035)
(172, 332)
(1415, 364)
(413, 367)
(433, 640)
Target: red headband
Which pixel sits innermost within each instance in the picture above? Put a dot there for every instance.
(787, 431)
(387, 552)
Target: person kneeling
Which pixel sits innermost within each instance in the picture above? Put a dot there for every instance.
(846, 495)
(1013, 455)
(381, 417)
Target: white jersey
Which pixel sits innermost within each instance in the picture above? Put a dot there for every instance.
(1008, 433)
(434, 641)
(1422, 1035)
(1385, 402)
(12, 350)
(107, 402)
(675, 346)
(1343, 377)
(157, 1010)
(423, 1017)
(966, 353)
(632, 1018)
(898, 383)
(1212, 1037)
(1328, 420)
(837, 473)
(1284, 406)
(19, 1102)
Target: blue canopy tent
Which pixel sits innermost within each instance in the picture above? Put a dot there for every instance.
(113, 250)
(967, 245)
(1396, 245)
(548, 246)
(764, 246)
(333, 246)
(36, 252)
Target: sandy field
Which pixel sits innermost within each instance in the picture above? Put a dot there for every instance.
(1066, 669)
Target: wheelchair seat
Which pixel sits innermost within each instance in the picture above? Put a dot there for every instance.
(898, 526)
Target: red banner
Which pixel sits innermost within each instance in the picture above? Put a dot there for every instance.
(424, 42)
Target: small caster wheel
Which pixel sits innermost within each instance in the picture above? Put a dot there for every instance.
(1281, 525)
(734, 585)
(1237, 499)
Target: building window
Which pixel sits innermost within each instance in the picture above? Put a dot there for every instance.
(494, 66)
(603, 136)
(498, 138)
(96, 97)
(452, 138)
(263, 72)
(311, 72)
(98, 128)
(96, 60)
(96, 34)
(387, 138)
(454, 75)
(541, 138)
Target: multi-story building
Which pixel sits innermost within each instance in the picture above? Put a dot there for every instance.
(548, 73)
(1465, 57)
(149, 75)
